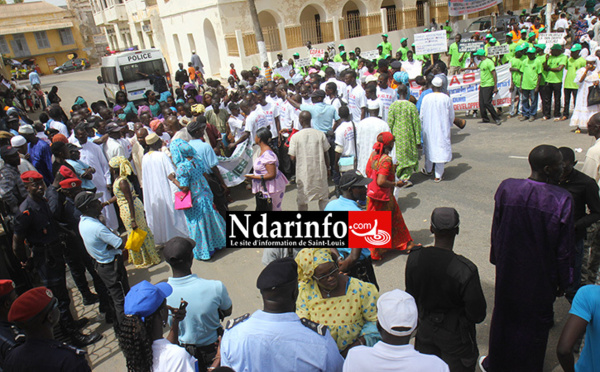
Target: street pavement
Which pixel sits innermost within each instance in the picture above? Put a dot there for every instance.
(483, 156)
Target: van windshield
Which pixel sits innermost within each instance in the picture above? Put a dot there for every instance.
(130, 74)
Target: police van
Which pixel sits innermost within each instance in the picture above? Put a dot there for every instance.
(129, 71)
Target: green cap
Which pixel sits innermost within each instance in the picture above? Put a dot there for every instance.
(520, 48)
(509, 34)
(524, 11)
(576, 48)
(488, 36)
(493, 40)
(403, 39)
(341, 46)
(379, 45)
(426, 30)
(542, 28)
(351, 52)
(541, 46)
(320, 59)
(413, 44)
(531, 50)
(386, 56)
(531, 34)
(556, 47)
(342, 53)
(523, 31)
(479, 52)
(296, 54)
(384, 35)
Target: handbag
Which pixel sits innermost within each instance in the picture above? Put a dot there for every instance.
(263, 202)
(593, 96)
(183, 200)
(135, 240)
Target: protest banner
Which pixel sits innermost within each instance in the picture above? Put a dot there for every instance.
(464, 89)
(283, 71)
(317, 53)
(338, 66)
(302, 62)
(551, 38)
(234, 168)
(462, 7)
(470, 46)
(431, 42)
(371, 54)
(498, 50)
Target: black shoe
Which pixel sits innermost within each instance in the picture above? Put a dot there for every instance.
(90, 299)
(78, 324)
(81, 340)
(485, 121)
(498, 122)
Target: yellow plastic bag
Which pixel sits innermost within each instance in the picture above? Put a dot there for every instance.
(135, 240)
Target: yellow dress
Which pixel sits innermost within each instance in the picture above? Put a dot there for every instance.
(344, 315)
(147, 255)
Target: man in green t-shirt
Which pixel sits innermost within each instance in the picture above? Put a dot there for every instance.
(387, 46)
(487, 88)
(543, 92)
(403, 48)
(530, 84)
(338, 57)
(574, 63)
(511, 48)
(523, 38)
(554, 65)
(352, 60)
(448, 29)
(515, 85)
(456, 60)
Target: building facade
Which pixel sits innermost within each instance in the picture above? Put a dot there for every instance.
(40, 31)
(93, 36)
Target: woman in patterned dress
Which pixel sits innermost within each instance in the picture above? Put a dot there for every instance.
(205, 224)
(132, 212)
(380, 195)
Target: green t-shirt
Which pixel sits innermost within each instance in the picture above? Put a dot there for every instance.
(387, 48)
(455, 56)
(448, 30)
(521, 41)
(486, 67)
(572, 66)
(531, 69)
(554, 62)
(542, 59)
(404, 51)
(516, 75)
(337, 58)
(507, 57)
(353, 64)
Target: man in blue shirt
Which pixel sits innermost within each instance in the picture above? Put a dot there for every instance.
(323, 115)
(583, 318)
(208, 302)
(356, 262)
(105, 247)
(275, 339)
(39, 153)
(34, 79)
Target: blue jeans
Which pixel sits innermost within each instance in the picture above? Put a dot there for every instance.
(529, 108)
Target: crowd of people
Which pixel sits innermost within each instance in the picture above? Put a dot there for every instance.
(109, 184)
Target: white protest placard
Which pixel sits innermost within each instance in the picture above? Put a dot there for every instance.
(462, 7)
(234, 168)
(284, 71)
(498, 50)
(317, 53)
(469, 46)
(371, 54)
(551, 38)
(302, 62)
(431, 42)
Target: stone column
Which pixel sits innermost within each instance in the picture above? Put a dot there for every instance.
(384, 21)
(240, 43)
(282, 39)
(336, 28)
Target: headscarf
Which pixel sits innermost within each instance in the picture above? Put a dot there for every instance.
(383, 139)
(117, 108)
(59, 138)
(401, 77)
(155, 123)
(79, 101)
(181, 150)
(309, 259)
(122, 164)
(142, 109)
(198, 108)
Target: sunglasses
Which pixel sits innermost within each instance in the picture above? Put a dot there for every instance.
(333, 272)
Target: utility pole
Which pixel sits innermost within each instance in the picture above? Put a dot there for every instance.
(260, 39)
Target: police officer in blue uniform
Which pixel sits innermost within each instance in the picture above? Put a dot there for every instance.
(275, 339)
(36, 224)
(10, 335)
(36, 312)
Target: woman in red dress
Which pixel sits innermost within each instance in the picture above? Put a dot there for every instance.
(380, 193)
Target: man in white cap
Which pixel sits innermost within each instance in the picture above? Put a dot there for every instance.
(397, 319)
(437, 116)
(20, 143)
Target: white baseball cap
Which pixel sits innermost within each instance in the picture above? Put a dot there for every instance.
(437, 81)
(26, 129)
(371, 78)
(397, 309)
(18, 141)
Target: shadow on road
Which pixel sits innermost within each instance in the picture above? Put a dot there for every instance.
(408, 201)
(452, 173)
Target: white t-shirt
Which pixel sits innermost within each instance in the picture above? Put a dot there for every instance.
(60, 127)
(413, 69)
(387, 97)
(255, 121)
(166, 138)
(357, 99)
(168, 357)
(344, 139)
(335, 102)
(561, 23)
(271, 112)
(307, 101)
(236, 125)
(341, 87)
(371, 103)
(392, 358)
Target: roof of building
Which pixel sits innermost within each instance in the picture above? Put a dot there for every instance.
(28, 9)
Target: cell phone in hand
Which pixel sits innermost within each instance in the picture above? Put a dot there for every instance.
(183, 304)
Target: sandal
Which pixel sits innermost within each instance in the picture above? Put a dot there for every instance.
(438, 180)
(425, 172)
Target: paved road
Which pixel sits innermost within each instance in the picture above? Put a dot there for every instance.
(483, 155)
(73, 84)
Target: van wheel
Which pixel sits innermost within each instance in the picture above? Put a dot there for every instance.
(59, 71)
